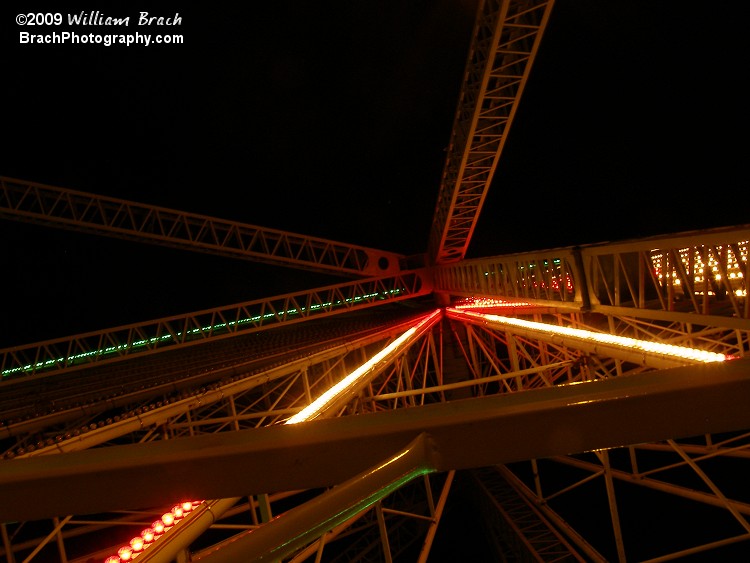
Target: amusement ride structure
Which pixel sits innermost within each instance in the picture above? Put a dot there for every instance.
(584, 403)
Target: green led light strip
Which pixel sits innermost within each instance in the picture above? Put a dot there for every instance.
(110, 350)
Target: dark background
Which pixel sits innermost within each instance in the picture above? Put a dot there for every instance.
(332, 118)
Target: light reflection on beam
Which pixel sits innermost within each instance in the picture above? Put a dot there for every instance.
(692, 355)
(285, 534)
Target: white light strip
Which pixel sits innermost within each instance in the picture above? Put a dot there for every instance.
(319, 404)
(693, 354)
(486, 303)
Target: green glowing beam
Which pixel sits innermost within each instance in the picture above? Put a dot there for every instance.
(223, 327)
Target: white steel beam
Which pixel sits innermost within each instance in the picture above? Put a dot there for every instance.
(75, 210)
(506, 38)
(651, 406)
(55, 356)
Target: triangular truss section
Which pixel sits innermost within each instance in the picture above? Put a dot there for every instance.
(70, 209)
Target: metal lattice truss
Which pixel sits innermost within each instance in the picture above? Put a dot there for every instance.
(196, 409)
(75, 210)
(508, 382)
(702, 273)
(505, 41)
(689, 289)
(221, 322)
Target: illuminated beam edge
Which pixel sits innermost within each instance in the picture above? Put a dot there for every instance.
(640, 352)
(54, 356)
(505, 40)
(177, 526)
(337, 505)
(294, 529)
(565, 419)
(128, 423)
(340, 393)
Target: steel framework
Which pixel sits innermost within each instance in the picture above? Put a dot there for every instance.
(170, 440)
(59, 207)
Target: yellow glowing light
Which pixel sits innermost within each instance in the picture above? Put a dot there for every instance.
(604, 338)
(722, 264)
(319, 404)
(137, 543)
(484, 303)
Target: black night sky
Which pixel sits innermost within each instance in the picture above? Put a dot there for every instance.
(331, 119)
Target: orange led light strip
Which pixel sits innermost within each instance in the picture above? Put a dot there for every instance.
(684, 352)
